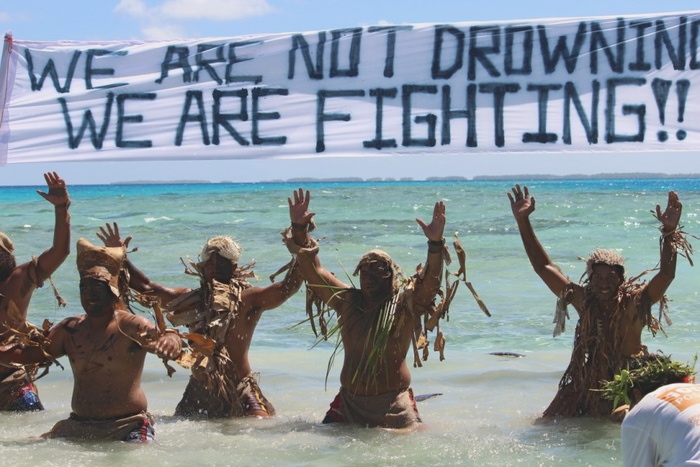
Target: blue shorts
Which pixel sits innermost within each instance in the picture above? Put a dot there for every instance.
(27, 399)
(144, 433)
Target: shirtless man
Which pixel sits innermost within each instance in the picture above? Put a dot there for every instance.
(612, 313)
(106, 348)
(17, 284)
(374, 392)
(227, 309)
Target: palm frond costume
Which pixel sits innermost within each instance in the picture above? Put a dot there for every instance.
(597, 355)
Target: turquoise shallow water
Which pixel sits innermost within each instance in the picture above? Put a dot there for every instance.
(487, 413)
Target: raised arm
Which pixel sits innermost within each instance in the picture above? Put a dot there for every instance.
(52, 258)
(522, 205)
(272, 296)
(266, 298)
(667, 263)
(425, 290)
(321, 281)
(138, 281)
(143, 331)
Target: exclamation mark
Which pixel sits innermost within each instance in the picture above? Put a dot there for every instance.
(682, 86)
(661, 88)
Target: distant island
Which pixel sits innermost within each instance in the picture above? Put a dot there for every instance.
(164, 182)
(302, 180)
(600, 176)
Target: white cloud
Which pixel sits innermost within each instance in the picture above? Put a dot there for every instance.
(216, 10)
(156, 32)
(166, 19)
(131, 7)
(14, 17)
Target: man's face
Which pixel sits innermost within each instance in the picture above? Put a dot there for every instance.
(219, 268)
(376, 279)
(605, 281)
(96, 297)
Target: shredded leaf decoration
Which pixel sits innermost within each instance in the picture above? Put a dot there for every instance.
(388, 320)
(22, 335)
(654, 370)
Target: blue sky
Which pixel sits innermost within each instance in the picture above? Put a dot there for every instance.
(48, 20)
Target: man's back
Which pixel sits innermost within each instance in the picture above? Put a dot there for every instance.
(664, 428)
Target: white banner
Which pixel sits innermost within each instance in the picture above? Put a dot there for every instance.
(574, 85)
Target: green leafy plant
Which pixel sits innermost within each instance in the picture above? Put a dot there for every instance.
(646, 373)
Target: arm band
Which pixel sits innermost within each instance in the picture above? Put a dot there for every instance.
(436, 246)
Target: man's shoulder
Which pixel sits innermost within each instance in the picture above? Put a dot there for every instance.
(572, 287)
(122, 317)
(350, 294)
(635, 292)
(351, 299)
(71, 323)
(133, 328)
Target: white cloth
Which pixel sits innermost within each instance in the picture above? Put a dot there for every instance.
(664, 428)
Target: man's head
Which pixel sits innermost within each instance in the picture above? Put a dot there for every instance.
(378, 274)
(6, 244)
(99, 269)
(605, 273)
(7, 258)
(219, 258)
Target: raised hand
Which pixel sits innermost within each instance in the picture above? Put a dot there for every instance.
(435, 229)
(521, 203)
(299, 208)
(672, 215)
(110, 236)
(58, 193)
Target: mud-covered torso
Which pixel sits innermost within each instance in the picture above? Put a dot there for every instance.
(364, 332)
(107, 367)
(616, 324)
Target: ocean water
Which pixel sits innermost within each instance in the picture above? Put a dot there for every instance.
(487, 413)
